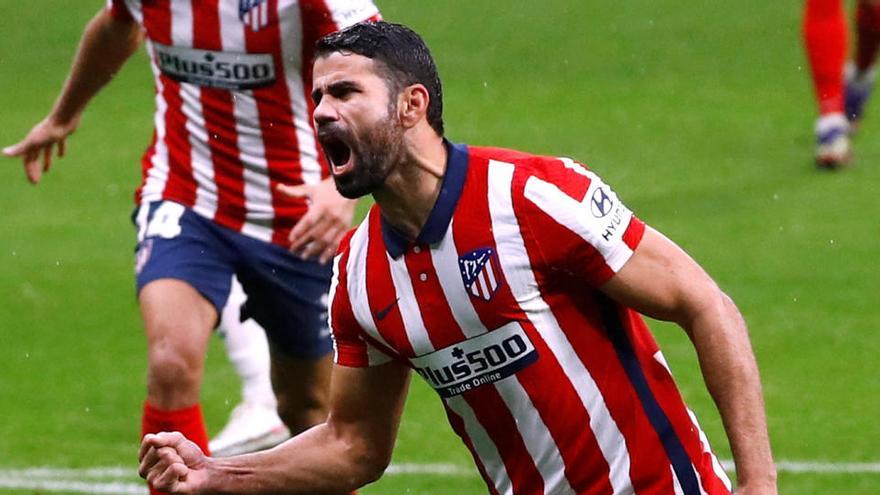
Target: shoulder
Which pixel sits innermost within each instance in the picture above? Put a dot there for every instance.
(568, 175)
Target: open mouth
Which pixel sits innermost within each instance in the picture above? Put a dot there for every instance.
(337, 151)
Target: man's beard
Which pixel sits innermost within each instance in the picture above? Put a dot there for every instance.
(376, 153)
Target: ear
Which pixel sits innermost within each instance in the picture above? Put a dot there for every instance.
(412, 105)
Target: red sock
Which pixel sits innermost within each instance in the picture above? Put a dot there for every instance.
(825, 37)
(188, 421)
(868, 29)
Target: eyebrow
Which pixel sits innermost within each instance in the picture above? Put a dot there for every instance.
(335, 87)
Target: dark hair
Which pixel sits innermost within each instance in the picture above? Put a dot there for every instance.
(401, 55)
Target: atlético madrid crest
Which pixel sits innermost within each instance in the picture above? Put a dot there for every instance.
(481, 273)
(254, 13)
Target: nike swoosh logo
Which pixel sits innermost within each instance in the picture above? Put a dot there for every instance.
(382, 313)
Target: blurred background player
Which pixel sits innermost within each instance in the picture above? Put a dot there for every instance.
(842, 89)
(254, 423)
(232, 129)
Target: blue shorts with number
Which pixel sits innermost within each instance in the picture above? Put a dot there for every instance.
(286, 295)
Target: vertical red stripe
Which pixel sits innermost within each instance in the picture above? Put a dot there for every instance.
(351, 349)
(501, 426)
(317, 21)
(146, 164)
(277, 127)
(180, 186)
(381, 295)
(217, 110)
(458, 426)
(442, 328)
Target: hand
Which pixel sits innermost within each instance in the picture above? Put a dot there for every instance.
(173, 464)
(320, 230)
(35, 149)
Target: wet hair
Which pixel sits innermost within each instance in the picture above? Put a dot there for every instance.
(401, 55)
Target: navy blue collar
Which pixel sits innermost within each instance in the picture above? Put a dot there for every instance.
(440, 216)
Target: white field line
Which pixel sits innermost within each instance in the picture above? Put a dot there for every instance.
(118, 480)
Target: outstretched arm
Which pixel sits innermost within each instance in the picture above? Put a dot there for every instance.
(662, 281)
(352, 448)
(106, 44)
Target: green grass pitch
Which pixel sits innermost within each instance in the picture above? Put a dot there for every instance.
(699, 114)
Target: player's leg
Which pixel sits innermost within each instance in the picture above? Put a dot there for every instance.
(254, 423)
(861, 74)
(288, 297)
(183, 278)
(178, 322)
(825, 38)
(302, 386)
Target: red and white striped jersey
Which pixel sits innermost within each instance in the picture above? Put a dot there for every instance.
(233, 106)
(554, 387)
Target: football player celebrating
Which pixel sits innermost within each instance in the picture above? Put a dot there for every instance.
(512, 284)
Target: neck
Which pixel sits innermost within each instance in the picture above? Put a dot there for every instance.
(411, 190)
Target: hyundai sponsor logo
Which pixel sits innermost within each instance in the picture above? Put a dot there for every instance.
(601, 203)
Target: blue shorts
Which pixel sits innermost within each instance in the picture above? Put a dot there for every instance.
(286, 295)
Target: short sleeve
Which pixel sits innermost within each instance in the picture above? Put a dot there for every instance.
(351, 345)
(577, 222)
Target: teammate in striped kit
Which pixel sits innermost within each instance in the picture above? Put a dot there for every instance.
(232, 130)
(511, 283)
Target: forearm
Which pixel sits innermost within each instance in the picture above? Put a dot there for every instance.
(318, 461)
(105, 46)
(731, 373)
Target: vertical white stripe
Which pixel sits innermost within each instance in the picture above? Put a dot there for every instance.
(483, 285)
(490, 276)
(605, 233)
(264, 13)
(200, 153)
(536, 437)
(136, 10)
(254, 19)
(484, 448)
(409, 308)
(356, 269)
(157, 175)
(251, 153)
(331, 296)
(291, 32)
(517, 271)
(444, 255)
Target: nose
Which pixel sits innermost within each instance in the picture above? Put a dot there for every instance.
(325, 112)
